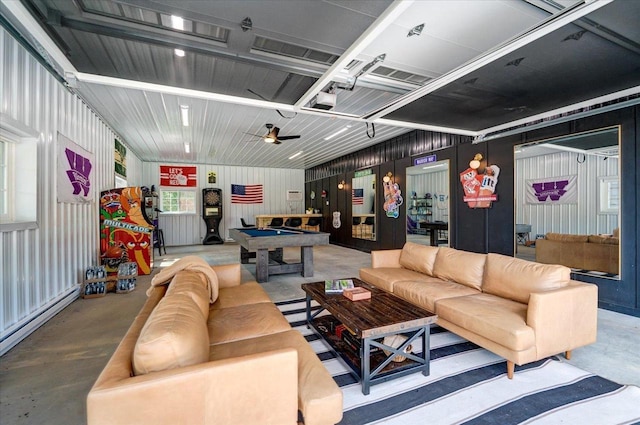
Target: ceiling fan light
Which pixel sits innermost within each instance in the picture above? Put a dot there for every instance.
(269, 139)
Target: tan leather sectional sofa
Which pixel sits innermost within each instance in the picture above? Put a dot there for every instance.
(586, 252)
(520, 310)
(236, 361)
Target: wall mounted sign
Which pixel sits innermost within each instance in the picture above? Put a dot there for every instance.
(294, 195)
(178, 176)
(362, 173)
(392, 197)
(479, 188)
(120, 158)
(425, 160)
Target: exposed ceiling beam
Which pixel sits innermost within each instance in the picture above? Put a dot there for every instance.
(382, 23)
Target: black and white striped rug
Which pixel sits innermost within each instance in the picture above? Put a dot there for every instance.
(468, 385)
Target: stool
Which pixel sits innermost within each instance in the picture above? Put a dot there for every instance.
(159, 242)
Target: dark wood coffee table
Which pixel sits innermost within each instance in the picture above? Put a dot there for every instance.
(370, 321)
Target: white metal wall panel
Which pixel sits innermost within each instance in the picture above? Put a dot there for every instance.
(41, 267)
(190, 229)
(434, 183)
(579, 218)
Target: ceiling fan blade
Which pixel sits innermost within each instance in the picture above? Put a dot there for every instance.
(277, 142)
(257, 135)
(288, 137)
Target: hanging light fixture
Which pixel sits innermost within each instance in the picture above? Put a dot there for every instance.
(475, 162)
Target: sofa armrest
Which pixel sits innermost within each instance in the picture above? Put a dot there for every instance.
(259, 388)
(386, 258)
(565, 318)
(228, 275)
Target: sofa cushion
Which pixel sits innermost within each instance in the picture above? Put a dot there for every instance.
(247, 293)
(425, 293)
(459, 266)
(564, 237)
(497, 319)
(245, 321)
(175, 335)
(319, 398)
(385, 277)
(194, 285)
(515, 279)
(419, 258)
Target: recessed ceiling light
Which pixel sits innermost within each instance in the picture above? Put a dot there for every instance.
(295, 155)
(177, 23)
(187, 147)
(184, 113)
(179, 52)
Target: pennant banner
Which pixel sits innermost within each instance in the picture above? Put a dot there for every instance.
(246, 194)
(176, 175)
(74, 172)
(552, 190)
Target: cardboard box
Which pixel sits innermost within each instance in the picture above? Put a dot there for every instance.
(357, 294)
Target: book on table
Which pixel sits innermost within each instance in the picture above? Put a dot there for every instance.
(337, 286)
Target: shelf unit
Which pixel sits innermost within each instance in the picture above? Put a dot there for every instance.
(421, 209)
(99, 287)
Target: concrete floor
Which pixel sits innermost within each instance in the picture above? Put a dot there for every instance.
(45, 378)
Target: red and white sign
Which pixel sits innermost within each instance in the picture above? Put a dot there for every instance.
(174, 175)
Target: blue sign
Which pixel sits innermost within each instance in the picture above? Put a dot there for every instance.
(424, 160)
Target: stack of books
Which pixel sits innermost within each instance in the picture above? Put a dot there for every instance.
(337, 286)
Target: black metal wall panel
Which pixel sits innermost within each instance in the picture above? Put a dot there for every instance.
(471, 223)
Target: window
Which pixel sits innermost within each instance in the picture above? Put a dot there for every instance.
(609, 200)
(178, 201)
(120, 182)
(6, 214)
(18, 175)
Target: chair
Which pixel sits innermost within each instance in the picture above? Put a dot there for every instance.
(159, 241)
(356, 225)
(369, 221)
(244, 223)
(293, 222)
(276, 222)
(313, 224)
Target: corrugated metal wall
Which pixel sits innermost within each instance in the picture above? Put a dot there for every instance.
(579, 218)
(41, 267)
(434, 183)
(190, 229)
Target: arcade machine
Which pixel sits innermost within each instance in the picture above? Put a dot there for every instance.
(125, 231)
(212, 215)
(151, 211)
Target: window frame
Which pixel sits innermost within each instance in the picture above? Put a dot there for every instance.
(607, 195)
(179, 191)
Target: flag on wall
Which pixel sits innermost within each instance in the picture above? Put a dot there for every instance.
(74, 173)
(357, 196)
(178, 175)
(552, 190)
(246, 194)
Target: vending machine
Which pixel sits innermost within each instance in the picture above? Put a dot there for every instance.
(125, 231)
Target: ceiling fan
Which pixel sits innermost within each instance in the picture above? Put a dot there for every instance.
(272, 135)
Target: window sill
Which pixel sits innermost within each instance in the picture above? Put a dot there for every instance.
(24, 225)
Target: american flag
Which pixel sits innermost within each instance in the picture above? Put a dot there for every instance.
(357, 196)
(246, 194)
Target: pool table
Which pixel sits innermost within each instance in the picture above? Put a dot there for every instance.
(266, 245)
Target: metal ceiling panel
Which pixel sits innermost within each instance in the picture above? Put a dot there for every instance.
(565, 67)
(151, 124)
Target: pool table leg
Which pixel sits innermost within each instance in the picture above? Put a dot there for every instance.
(262, 265)
(306, 258)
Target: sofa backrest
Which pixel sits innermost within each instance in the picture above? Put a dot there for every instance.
(566, 237)
(516, 279)
(419, 258)
(194, 285)
(175, 335)
(466, 268)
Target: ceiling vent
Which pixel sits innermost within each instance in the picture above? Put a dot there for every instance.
(396, 74)
(268, 45)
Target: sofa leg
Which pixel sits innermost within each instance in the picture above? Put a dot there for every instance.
(511, 367)
(567, 355)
